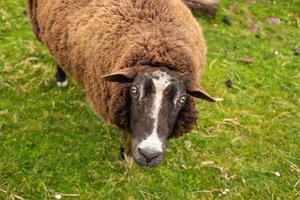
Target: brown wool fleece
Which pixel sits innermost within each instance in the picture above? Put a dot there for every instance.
(91, 38)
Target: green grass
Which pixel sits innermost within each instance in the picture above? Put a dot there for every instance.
(50, 142)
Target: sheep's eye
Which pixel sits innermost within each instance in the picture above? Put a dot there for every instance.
(182, 100)
(134, 89)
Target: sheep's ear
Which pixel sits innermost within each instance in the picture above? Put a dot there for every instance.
(123, 76)
(196, 91)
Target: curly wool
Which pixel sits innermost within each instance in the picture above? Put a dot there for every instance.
(90, 38)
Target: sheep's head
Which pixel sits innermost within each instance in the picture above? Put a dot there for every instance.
(157, 97)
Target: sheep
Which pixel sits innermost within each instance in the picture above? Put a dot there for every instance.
(139, 62)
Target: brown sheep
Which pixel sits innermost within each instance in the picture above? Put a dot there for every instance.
(153, 51)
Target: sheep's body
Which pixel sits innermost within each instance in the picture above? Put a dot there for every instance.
(90, 38)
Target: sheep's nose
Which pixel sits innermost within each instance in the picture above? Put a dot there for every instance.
(149, 152)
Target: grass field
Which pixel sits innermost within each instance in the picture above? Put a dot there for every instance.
(51, 143)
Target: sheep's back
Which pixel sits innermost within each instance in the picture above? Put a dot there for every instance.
(106, 30)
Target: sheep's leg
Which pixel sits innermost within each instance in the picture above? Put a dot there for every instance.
(61, 78)
(125, 147)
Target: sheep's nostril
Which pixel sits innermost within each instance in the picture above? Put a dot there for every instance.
(149, 153)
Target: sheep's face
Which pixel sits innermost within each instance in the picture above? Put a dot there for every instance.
(156, 99)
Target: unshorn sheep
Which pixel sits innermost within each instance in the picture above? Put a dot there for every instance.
(139, 62)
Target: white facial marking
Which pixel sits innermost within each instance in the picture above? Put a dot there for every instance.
(62, 84)
(153, 143)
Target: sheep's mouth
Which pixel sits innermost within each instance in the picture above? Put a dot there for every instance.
(143, 160)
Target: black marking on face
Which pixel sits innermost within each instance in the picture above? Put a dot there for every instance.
(156, 99)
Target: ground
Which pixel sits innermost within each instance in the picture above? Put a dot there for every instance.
(248, 145)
